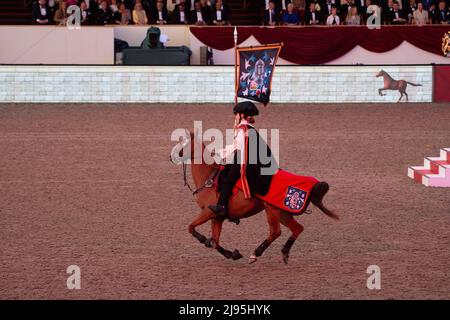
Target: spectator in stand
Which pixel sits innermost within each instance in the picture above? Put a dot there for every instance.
(442, 14)
(353, 18)
(326, 9)
(271, 16)
(290, 17)
(160, 15)
(386, 11)
(85, 13)
(409, 10)
(61, 14)
(345, 9)
(432, 14)
(41, 13)
(374, 10)
(104, 16)
(282, 6)
(333, 18)
(199, 16)
(180, 14)
(206, 9)
(420, 16)
(123, 15)
(114, 7)
(220, 15)
(362, 7)
(396, 16)
(312, 16)
(139, 15)
(427, 4)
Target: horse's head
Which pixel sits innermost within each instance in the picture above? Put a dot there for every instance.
(381, 73)
(190, 148)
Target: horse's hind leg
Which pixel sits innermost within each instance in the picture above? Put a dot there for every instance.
(296, 228)
(273, 219)
(213, 242)
(401, 96)
(203, 217)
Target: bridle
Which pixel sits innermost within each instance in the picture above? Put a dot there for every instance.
(209, 183)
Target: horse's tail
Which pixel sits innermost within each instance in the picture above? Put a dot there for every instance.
(317, 194)
(414, 84)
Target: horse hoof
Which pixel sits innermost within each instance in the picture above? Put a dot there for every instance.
(285, 258)
(252, 259)
(236, 255)
(209, 243)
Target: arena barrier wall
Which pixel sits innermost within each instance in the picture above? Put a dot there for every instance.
(209, 84)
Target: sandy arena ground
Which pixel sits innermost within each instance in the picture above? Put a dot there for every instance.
(91, 185)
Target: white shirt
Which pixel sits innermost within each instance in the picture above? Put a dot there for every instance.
(182, 16)
(199, 16)
(313, 15)
(43, 11)
(267, 4)
(330, 20)
(219, 15)
(283, 4)
(160, 17)
(270, 16)
(238, 145)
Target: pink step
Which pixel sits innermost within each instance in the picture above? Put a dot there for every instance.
(435, 172)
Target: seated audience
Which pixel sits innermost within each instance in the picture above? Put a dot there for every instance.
(333, 18)
(271, 16)
(442, 15)
(122, 16)
(290, 17)
(353, 18)
(420, 16)
(61, 14)
(85, 13)
(396, 16)
(114, 6)
(103, 15)
(220, 15)
(160, 15)
(409, 10)
(139, 15)
(180, 14)
(41, 13)
(200, 15)
(312, 16)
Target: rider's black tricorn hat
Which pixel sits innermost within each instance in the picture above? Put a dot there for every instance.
(247, 108)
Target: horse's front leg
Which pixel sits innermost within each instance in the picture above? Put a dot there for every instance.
(380, 91)
(273, 219)
(203, 217)
(213, 242)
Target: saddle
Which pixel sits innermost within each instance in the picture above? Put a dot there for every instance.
(287, 191)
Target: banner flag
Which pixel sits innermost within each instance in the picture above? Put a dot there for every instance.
(255, 69)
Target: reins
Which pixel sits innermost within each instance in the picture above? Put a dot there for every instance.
(207, 184)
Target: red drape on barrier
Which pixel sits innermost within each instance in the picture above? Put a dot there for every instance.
(316, 45)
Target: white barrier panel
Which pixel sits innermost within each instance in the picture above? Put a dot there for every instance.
(56, 45)
(195, 84)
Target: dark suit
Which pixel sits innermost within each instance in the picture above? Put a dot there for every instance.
(442, 16)
(176, 18)
(345, 9)
(325, 10)
(309, 18)
(154, 15)
(205, 16)
(391, 16)
(225, 14)
(37, 14)
(103, 17)
(275, 17)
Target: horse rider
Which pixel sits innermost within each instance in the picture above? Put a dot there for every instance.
(245, 160)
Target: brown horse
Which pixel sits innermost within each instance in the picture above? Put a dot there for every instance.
(239, 207)
(391, 84)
